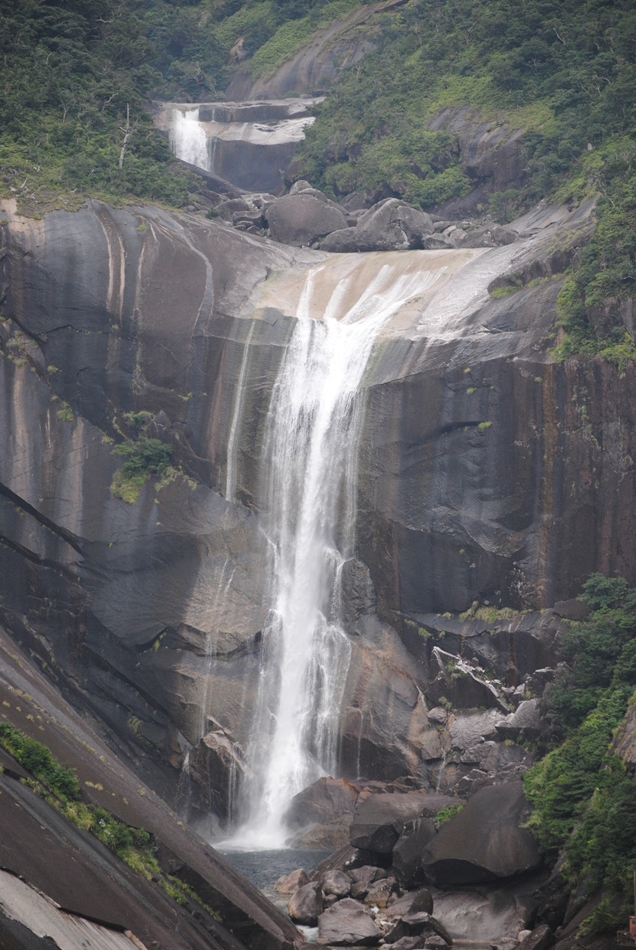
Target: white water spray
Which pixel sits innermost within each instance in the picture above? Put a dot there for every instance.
(308, 501)
(188, 139)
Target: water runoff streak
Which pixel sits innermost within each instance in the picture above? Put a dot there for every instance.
(308, 500)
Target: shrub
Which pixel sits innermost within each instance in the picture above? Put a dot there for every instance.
(143, 458)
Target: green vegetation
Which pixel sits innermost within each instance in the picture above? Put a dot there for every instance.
(77, 77)
(583, 797)
(59, 786)
(143, 458)
(446, 814)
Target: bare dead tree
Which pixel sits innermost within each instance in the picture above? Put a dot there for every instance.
(128, 131)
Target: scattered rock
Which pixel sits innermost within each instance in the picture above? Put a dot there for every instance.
(434, 942)
(484, 842)
(290, 883)
(416, 925)
(306, 905)
(227, 209)
(413, 903)
(347, 923)
(380, 893)
(303, 218)
(391, 225)
(336, 882)
(410, 943)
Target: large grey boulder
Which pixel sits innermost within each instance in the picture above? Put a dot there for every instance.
(524, 723)
(413, 925)
(337, 883)
(290, 883)
(347, 923)
(408, 851)
(302, 218)
(305, 906)
(326, 800)
(485, 841)
(413, 903)
(379, 819)
(391, 225)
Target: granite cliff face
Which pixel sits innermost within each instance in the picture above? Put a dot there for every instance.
(488, 472)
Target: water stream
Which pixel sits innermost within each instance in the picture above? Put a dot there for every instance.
(188, 139)
(308, 505)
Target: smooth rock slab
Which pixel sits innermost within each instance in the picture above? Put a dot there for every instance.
(347, 923)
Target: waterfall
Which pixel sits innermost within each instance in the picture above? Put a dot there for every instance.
(308, 506)
(188, 139)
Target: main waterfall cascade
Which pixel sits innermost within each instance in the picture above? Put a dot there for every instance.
(308, 506)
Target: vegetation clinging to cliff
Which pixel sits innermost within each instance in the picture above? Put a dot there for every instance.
(584, 798)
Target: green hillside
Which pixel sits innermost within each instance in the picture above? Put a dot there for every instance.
(561, 70)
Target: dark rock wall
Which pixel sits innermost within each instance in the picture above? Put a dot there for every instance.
(494, 474)
(488, 472)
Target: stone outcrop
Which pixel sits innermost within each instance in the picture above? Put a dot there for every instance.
(302, 218)
(485, 841)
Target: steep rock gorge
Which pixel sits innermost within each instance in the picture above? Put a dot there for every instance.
(488, 473)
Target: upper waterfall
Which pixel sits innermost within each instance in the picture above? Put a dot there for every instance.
(308, 504)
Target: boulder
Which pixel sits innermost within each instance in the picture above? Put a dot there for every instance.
(489, 235)
(363, 879)
(391, 225)
(336, 882)
(326, 800)
(305, 906)
(413, 903)
(347, 923)
(410, 943)
(304, 217)
(416, 925)
(437, 715)
(541, 938)
(380, 893)
(484, 842)
(407, 853)
(290, 883)
(524, 723)
(379, 819)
